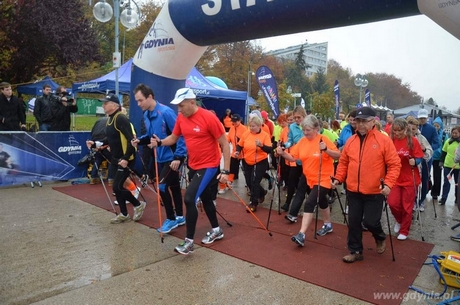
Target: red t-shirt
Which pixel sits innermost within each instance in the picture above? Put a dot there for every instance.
(405, 175)
(200, 131)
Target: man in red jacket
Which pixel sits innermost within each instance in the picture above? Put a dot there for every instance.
(367, 157)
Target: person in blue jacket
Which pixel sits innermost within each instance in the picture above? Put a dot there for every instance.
(430, 133)
(159, 119)
(348, 130)
(437, 170)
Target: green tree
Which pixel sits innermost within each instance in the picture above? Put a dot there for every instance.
(320, 84)
(323, 105)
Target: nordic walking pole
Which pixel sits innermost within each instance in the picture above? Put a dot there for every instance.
(252, 213)
(157, 178)
(319, 187)
(102, 181)
(388, 220)
(418, 209)
(229, 224)
(271, 204)
(340, 202)
(429, 177)
(279, 185)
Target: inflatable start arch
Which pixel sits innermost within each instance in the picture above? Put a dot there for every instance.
(184, 28)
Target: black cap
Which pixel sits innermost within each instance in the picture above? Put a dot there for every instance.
(365, 113)
(110, 98)
(236, 117)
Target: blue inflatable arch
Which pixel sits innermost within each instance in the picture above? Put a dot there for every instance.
(184, 28)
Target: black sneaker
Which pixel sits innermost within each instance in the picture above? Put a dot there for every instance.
(285, 207)
(442, 201)
(262, 197)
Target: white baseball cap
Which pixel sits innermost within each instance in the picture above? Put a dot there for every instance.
(183, 94)
(422, 113)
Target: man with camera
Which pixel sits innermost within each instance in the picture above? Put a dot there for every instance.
(62, 105)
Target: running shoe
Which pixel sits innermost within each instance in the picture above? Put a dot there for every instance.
(299, 239)
(180, 220)
(120, 218)
(139, 210)
(324, 230)
(185, 247)
(167, 226)
(211, 236)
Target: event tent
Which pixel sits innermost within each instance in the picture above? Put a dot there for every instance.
(36, 88)
(106, 83)
(214, 97)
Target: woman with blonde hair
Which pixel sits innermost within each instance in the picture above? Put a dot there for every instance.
(316, 154)
(255, 145)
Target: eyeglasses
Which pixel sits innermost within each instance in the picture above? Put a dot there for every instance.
(361, 121)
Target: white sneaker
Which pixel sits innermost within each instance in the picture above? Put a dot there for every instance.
(120, 218)
(397, 227)
(422, 208)
(222, 191)
(402, 237)
(139, 211)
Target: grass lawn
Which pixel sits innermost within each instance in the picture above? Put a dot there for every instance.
(82, 122)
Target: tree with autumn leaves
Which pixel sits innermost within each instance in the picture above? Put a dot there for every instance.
(63, 39)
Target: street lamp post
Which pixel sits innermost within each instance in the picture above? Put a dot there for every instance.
(361, 82)
(103, 12)
(250, 74)
(294, 95)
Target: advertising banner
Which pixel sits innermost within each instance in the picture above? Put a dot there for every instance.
(44, 156)
(267, 84)
(337, 98)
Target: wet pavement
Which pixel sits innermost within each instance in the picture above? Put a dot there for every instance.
(60, 250)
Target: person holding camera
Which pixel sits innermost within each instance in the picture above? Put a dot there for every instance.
(62, 105)
(42, 109)
(11, 115)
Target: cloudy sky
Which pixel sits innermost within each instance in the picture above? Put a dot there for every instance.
(414, 49)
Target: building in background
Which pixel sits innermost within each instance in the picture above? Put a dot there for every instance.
(315, 55)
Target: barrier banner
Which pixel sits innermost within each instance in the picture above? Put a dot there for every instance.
(43, 156)
(267, 84)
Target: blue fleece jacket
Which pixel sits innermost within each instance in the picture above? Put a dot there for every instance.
(345, 134)
(160, 122)
(430, 133)
(442, 136)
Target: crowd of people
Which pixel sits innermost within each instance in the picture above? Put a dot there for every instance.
(311, 159)
(409, 157)
(52, 111)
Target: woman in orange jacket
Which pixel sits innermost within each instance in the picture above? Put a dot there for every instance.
(255, 145)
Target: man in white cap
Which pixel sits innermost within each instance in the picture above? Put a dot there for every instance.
(430, 133)
(203, 133)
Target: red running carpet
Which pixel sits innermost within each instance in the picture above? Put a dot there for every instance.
(319, 262)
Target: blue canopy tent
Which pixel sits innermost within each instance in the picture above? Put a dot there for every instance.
(36, 88)
(106, 83)
(214, 97)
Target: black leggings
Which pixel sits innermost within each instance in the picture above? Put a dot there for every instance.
(122, 194)
(314, 199)
(170, 179)
(202, 184)
(254, 175)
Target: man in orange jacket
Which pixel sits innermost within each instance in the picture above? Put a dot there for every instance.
(367, 157)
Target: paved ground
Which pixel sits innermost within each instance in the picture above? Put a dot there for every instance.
(59, 250)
